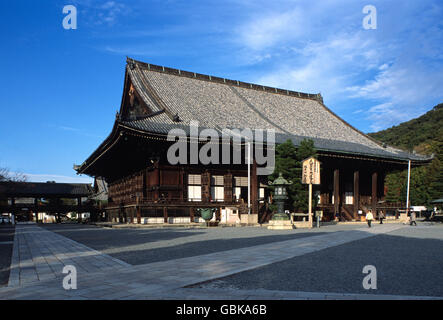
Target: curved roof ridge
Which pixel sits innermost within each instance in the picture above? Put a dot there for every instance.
(242, 84)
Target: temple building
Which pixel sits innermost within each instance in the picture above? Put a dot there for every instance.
(145, 187)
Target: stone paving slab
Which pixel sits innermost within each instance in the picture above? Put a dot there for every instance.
(167, 279)
(39, 254)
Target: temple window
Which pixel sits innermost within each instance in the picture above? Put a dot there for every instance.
(194, 187)
(217, 188)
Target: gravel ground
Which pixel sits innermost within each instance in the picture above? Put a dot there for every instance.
(141, 246)
(409, 261)
(6, 236)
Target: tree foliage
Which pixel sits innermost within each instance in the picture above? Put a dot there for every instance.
(423, 135)
(417, 134)
(288, 161)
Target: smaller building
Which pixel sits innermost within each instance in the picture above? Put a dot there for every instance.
(38, 200)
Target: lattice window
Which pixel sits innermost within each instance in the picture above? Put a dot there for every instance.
(194, 187)
(217, 188)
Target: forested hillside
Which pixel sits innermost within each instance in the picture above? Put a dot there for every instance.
(420, 134)
(423, 135)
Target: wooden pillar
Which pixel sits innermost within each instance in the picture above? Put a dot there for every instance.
(79, 210)
(356, 193)
(36, 209)
(374, 193)
(139, 213)
(206, 187)
(165, 215)
(156, 182)
(192, 214)
(182, 184)
(228, 188)
(120, 214)
(218, 214)
(145, 184)
(336, 191)
(254, 188)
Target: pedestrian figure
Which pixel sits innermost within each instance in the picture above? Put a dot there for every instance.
(381, 216)
(413, 219)
(369, 218)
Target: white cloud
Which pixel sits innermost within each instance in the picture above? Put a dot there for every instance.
(396, 68)
(405, 92)
(98, 13)
(327, 66)
(109, 11)
(271, 29)
(383, 115)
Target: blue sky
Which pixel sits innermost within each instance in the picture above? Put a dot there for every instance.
(60, 88)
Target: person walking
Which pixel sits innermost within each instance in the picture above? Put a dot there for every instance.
(413, 222)
(369, 218)
(381, 216)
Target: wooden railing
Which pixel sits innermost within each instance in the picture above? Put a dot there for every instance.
(173, 202)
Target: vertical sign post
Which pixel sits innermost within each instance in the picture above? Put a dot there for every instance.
(310, 176)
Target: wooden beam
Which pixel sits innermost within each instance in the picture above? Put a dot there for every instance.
(165, 215)
(156, 182)
(139, 213)
(374, 193)
(356, 193)
(228, 187)
(336, 191)
(182, 183)
(120, 214)
(206, 187)
(218, 214)
(254, 188)
(36, 209)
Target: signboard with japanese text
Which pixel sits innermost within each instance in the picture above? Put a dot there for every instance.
(311, 171)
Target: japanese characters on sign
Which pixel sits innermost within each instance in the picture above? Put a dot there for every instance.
(311, 171)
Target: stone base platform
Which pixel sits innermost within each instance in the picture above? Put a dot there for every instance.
(280, 225)
(302, 224)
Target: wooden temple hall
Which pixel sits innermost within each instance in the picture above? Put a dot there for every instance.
(30, 200)
(144, 187)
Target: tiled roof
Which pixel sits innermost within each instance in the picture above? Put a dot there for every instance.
(221, 103)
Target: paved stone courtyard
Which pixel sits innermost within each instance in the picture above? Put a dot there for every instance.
(6, 242)
(39, 254)
(141, 246)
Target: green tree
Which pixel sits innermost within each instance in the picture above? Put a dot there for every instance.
(394, 184)
(435, 174)
(288, 161)
(424, 135)
(301, 196)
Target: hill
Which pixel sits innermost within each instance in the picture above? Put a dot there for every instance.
(424, 135)
(420, 134)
